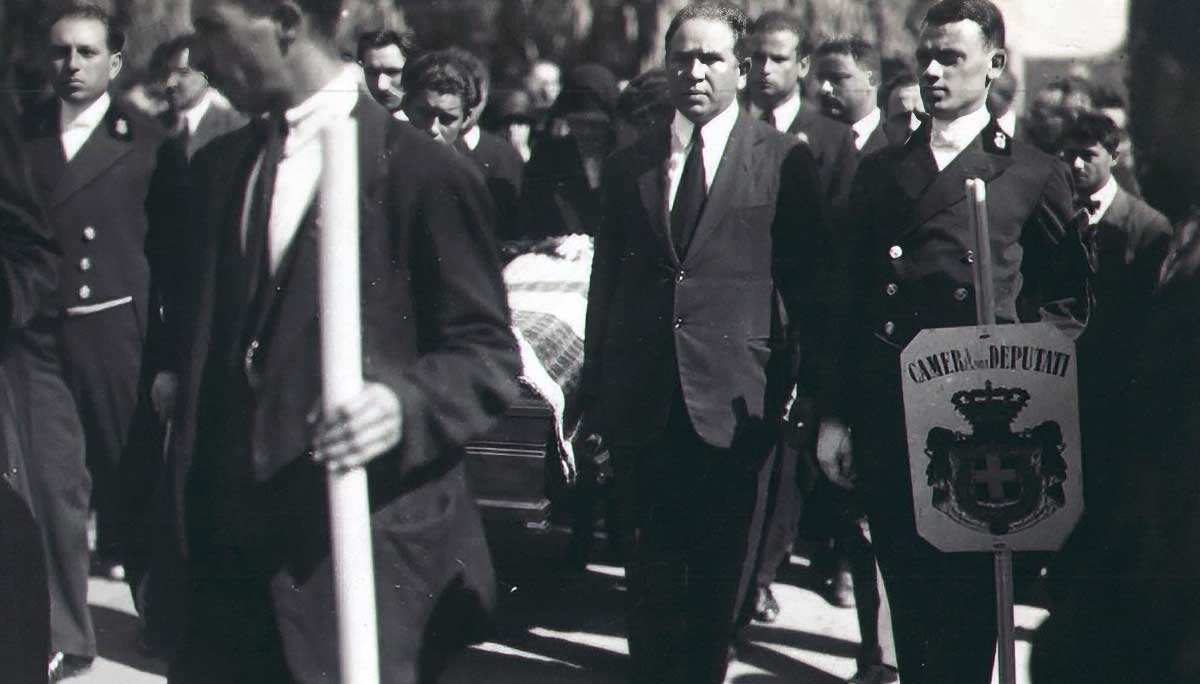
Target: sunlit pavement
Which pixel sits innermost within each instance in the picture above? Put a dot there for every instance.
(568, 627)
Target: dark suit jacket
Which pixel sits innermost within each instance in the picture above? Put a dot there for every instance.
(435, 331)
(707, 321)
(875, 142)
(832, 145)
(117, 207)
(503, 171)
(217, 121)
(909, 255)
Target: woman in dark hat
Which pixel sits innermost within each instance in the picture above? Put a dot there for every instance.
(562, 180)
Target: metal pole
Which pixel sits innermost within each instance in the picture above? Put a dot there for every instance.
(1005, 630)
(985, 310)
(341, 379)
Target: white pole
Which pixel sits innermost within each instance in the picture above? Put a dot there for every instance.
(341, 375)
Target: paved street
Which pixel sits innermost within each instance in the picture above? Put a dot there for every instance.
(569, 630)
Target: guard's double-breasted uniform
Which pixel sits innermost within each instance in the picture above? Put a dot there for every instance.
(911, 255)
(113, 208)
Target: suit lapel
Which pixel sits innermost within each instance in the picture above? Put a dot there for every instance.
(875, 142)
(99, 152)
(733, 166)
(295, 280)
(652, 188)
(916, 169)
(981, 159)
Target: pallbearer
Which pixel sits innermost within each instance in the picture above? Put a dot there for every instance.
(912, 251)
(438, 362)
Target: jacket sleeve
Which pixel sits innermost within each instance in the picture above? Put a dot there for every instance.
(169, 213)
(28, 254)
(1054, 269)
(466, 374)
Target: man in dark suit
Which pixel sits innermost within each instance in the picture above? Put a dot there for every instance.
(28, 273)
(111, 192)
(707, 264)
(780, 51)
(911, 255)
(496, 158)
(1126, 241)
(196, 114)
(848, 72)
(439, 359)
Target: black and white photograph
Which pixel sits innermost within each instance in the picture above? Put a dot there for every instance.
(599, 341)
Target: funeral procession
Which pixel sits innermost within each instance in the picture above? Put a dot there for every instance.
(600, 341)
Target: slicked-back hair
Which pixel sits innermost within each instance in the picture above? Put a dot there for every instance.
(982, 12)
(374, 40)
(478, 69)
(163, 54)
(722, 12)
(1091, 128)
(323, 14)
(115, 39)
(778, 20)
(862, 51)
(441, 71)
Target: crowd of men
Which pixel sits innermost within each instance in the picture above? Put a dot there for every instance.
(775, 215)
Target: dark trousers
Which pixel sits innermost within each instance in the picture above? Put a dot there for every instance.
(943, 604)
(59, 485)
(102, 357)
(25, 610)
(697, 513)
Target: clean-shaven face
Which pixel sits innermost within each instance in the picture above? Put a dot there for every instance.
(776, 68)
(704, 74)
(956, 67)
(81, 63)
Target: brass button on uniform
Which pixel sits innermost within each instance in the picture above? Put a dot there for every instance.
(891, 289)
(889, 328)
(969, 257)
(89, 234)
(960, 294)
(680, 276)
(679, 322)
(85, 292)
(895, 252)
(85, 264)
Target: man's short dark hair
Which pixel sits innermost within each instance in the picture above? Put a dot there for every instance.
(479, 70)
(901, 79)
(1072, 85)
(861, 50)
(1106, 97)
(86, 10)
(374, 40)
(722, 12)
(441, 71)
(165, 52)
(324, 14)
(982, 12)
(778, 20)
(1090, 128)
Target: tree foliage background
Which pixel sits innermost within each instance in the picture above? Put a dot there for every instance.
(625, 35)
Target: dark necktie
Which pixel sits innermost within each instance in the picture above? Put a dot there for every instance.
(768, 116)
(258, 252)
(689, 198)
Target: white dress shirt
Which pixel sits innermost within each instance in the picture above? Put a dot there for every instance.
(77, 124)
(1008, 122)
(864, 127)
(197, 112)
(300, 168)
(784, 113)
(471, 138)
(1105, 196)
(950, 138)
(715, 135)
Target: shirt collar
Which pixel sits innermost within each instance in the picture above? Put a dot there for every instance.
(864, 127)
(87, 118)
(1008, 122)
(785, 113)
(335, 100)
(1104, 196)
(958, 134)
(715, 133)
(471, 138)
(197, 112)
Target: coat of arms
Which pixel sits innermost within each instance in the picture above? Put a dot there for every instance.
(994, 480)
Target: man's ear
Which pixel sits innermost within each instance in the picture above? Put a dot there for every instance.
(289, 19)
(999, 62)
(115, 61)
(803, 64)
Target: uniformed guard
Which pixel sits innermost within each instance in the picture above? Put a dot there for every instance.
(111, 191)
(911, 250)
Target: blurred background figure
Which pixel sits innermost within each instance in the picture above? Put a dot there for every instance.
(544, 83)
(511, 117)
(1000, 101)
(1110, 103)
(196, 113)
(382, 55)
(1054, 108)
(644, 103)
(496, 159)
(902, 106)
(440, 93)
(848, 71)
(562, 180)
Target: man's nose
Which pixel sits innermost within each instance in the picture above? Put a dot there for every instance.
(826, 88)
(382, 82)
(1078, 164)
(933, 71)
(73, 61)
(696, 70)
